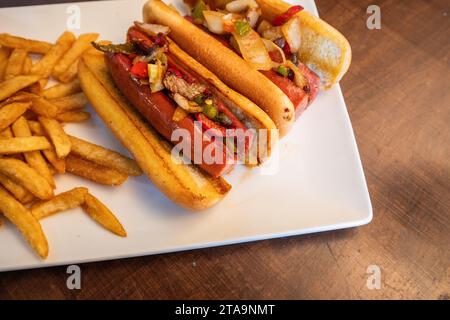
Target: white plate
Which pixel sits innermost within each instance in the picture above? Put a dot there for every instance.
(319, 184)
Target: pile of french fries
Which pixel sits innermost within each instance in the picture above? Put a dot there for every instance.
(34, 146)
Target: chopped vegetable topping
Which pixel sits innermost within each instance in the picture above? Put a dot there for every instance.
(242, 27)
(140, 70)
(283, 70)
(125, 48)
(284, 17)
(199, 99)
(197, 11)
(210, 110)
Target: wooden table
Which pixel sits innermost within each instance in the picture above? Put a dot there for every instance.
(397, 93)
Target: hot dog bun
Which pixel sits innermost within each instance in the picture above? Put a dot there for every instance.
(225, 63)
(324, 49)
(184, 184)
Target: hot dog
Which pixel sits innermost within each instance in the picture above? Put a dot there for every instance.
(293, 50)
(170, 91)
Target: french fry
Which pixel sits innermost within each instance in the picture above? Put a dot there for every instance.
(73, 116)
(105, 157)
(21, 96)
(27, 65)
(45, 66)
(57, 135)
(63, 201)
(4, 57)
(34, 46)
(19, 192)
(93, 171)
(28, 225)
(79, 46)
(23, 144)
(43, 107)
(33, 158)
(27, 177)
(69, 103)
(11, 112)
(100, 213)
(11, 86)
(36, 128)
(62, 90)
(15, 63)
(58, 163)
(70, 74)
(6, 133)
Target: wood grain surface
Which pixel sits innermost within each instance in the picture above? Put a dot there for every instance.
(398, 95)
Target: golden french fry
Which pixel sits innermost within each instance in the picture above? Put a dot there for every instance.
(73, 116)
(63, 201)
(58, 163)
(43, 107)
(34, 46)
(93, 171)
(28, 225)
(27, 65)
(45, 66)
(6, 133)
(11, 112)
(21, 96)
(100, 213)
(15, 63)
(70, 74)
(36, 88)
(79, 46)
(69, 103)
(33, 158)
(62, 90)
(4, 58)
(23, 144)
(105, 157)
(27, 177)
(36, 128)
(57, 135)
(19, 192)
(11, 86)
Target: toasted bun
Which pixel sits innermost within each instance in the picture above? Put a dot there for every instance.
(225, 63)
(184, 184)
(324, 49)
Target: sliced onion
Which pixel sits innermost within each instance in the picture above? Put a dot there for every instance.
(237, 6)
(292, 33)
(188, 106)
(272, 33)
(156, 83)
(252, 16)
(270, 46)
(253, 50)
(214, 21)
(179, 114)
(299, 79)
(152, 29)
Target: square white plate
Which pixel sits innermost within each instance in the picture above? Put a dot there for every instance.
(319, 183)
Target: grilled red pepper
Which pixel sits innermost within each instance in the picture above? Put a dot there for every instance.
(139, 70)
(284, 17)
